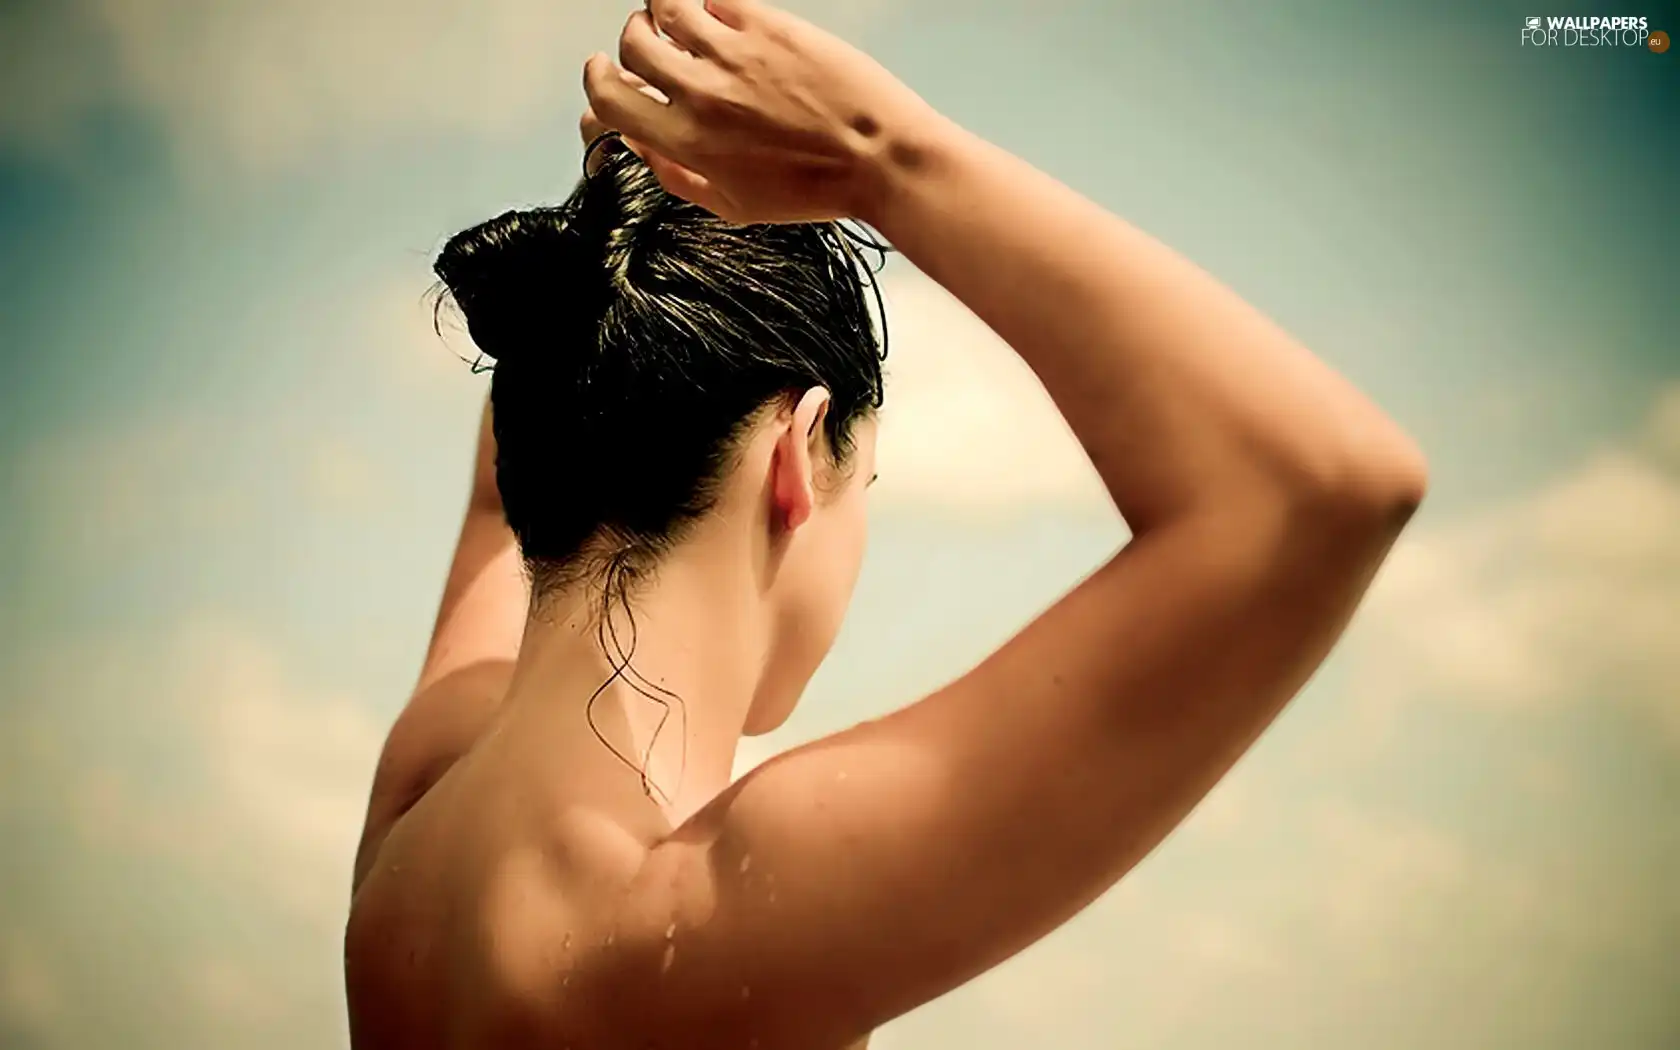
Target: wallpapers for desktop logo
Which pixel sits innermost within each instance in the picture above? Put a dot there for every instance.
(1593, 31)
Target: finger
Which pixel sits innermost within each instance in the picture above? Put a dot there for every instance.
(590, 126)
(643, 86)
(657, 61)
(625, 108)
(732, 13)
(691, 26)
(682, 182)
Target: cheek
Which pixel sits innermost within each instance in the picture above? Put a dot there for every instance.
(849, 544)
(839, 562)
(859, 532)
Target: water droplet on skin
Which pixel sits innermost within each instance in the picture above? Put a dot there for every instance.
(746, 862)
(565, 942)
(670, 957)
(670, 931)
(566, 980)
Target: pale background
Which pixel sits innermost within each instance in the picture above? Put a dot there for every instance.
(233, 458)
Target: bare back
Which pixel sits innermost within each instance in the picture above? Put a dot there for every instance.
(481, 909)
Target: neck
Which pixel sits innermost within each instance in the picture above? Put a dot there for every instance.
(696, 639)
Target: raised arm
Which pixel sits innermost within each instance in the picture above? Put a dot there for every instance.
(865, 874)
(480, 621)
(481, 616)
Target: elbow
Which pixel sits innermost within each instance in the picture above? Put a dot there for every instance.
(1378, 487)
(1391, 483)
(1408, 483)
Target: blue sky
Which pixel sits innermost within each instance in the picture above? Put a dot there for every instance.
(234, 454)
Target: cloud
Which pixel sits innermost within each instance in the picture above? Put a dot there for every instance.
(115, 496)
(1378, 871)
(186, 814)
(293, 768)
(95, 502)
(1569, 594)
(1324, 917)
(31, 996)
(267, 86)
(1661, 437)
(967, 427)
(1327, 908)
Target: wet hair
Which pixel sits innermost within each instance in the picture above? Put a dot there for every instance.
(635, 338)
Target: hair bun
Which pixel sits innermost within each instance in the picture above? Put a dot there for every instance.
(502, 272)
(524, 275)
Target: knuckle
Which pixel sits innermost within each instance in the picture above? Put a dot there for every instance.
(721, 103)
(672, 16)
(705, 105)
(631, 35)
(716, 94)
(686, 141)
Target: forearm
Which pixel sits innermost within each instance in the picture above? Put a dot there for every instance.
(1183, 396)
(484, 495)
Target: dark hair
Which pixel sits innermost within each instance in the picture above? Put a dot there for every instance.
(635, 337)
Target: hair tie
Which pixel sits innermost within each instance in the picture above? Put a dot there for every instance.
(596, 143)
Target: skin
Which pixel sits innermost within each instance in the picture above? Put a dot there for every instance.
(517, 886)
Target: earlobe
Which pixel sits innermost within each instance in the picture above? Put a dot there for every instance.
(791, 486)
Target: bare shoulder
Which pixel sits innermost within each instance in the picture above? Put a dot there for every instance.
(485, 911)
(440, 723)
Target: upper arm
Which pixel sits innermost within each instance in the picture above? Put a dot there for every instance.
(860, 876)
(475, 640)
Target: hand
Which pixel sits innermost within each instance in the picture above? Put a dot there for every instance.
(753, 114)
(591, 128)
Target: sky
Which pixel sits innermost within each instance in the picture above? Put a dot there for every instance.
(233, 458)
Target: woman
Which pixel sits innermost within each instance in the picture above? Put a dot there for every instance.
(680, 438)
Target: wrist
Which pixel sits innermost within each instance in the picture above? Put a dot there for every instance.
(908, 153)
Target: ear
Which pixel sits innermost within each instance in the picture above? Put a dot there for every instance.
(793, 468)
